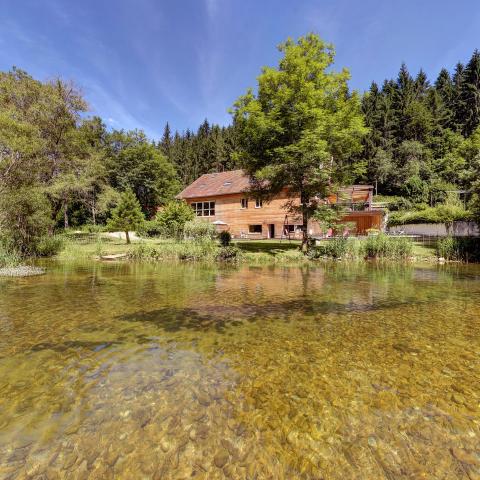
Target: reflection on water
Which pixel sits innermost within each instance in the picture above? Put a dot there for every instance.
(174, 372)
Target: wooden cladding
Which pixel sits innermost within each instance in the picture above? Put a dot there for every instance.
(248, 218)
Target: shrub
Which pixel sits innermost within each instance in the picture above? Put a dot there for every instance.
(171, 219)
(49, 245)
(199, 230)
(382, 246)
(440, 214)
(229, 253)
(400, 203)
(150, 228)
(225, 238)
(25, 217)
(459, 248)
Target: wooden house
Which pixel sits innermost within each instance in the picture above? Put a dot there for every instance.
(223, 199)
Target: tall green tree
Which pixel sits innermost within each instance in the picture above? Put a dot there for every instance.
(470, 95)
(135, 163)
(301, 130)
(166, 141)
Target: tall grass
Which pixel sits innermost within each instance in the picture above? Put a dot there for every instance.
(335, 248)
(49, 246)
(383, 246)
(466, 249)
(206, 250)
(378, 246)
(8, 257)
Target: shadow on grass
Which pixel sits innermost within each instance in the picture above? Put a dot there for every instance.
(271, 247)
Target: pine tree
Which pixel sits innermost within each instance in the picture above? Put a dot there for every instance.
(470, 95)
(166, 141)
(127, 215)
(442, 100)
(457, 81)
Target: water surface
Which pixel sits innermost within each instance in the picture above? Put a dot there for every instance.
(181, 371)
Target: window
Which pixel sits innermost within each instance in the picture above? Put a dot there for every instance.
(204, 209)
(244, 202)
(258, 203)
(254, 229)
(292, 228)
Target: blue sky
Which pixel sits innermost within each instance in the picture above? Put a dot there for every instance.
(143, 62)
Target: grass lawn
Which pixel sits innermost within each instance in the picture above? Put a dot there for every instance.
(271, 247)
(423, 251)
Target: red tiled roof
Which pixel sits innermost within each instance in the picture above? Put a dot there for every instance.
(214, 184)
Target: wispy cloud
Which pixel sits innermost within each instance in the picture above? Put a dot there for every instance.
(211, 7)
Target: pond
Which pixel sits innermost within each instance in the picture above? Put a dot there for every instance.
(175, 371)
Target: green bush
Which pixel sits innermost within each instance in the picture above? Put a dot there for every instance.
(25, 217)
(150, 228)
(48, 246)
(465, 249)
(382, 246)
(400, 203)
(229, 253)
(171, 219)
(225, 238)
(199, 230)
(440, 214)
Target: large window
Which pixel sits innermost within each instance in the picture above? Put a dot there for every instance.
(244, 202)
(254, 229)
(293, 228)
(204, 209)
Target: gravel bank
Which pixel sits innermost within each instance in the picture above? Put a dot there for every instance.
(21, 271)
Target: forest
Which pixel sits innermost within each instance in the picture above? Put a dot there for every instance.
(418, 143)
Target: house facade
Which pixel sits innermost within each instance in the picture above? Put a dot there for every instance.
(223, 199)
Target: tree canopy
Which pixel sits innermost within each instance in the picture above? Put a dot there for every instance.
(303, 128)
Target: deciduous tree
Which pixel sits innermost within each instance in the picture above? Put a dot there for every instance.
(301, 130)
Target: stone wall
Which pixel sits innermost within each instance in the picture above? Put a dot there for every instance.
(459, 229)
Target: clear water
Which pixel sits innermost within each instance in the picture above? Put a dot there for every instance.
(181, 371)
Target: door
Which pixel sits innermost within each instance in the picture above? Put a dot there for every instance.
(271, 231)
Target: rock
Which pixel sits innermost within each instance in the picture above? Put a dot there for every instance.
(116, 256)
(229, 471)
(221, 458)
(203, 399)
(165, 446)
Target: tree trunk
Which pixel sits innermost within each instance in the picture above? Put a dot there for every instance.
(127, 236)
(65, 213)
(94, 213)
(304, 207)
